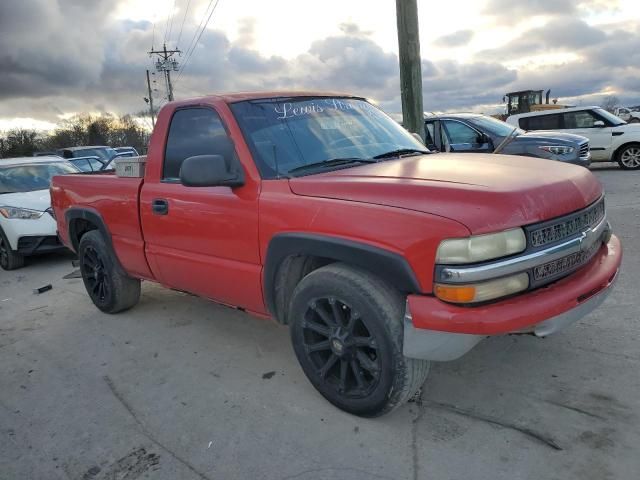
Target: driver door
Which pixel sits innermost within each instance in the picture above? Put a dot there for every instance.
(202, 240)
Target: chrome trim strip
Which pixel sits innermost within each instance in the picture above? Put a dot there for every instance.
(514, 265)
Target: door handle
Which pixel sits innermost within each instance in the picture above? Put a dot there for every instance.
(160, 206)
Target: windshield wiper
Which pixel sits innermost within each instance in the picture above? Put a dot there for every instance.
(333, 162)
(401, 151)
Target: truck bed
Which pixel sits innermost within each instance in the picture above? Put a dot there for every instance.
(115, 201)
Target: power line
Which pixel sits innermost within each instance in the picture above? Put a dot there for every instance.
(195, 33)
(173, 9)
(197, 40)
(182, 26)
(166, 25)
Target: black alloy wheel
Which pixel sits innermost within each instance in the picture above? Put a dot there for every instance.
(95, 275)
(341, 347)
(108, 285)
(347, 333)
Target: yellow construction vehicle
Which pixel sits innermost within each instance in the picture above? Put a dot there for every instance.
(528, 101)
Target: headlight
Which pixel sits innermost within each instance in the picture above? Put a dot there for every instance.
(20, 213)
(482, 292)
(557, 149)
(478, 248)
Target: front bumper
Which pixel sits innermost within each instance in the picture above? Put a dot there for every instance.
(435, 330)
(16, 229)
(33, 245)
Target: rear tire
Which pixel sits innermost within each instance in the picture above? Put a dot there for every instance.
(110, 289)
(628, 157)
(9, 259)
(347, 333)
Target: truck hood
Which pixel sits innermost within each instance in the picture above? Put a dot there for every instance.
(38, 200)
(485, 192)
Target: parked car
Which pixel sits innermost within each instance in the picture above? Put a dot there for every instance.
(103, 153)
(27, 225)
(90, 164)
(127, 151)
(611, 138)
(322, 212)
(628, 115)
(474, 133)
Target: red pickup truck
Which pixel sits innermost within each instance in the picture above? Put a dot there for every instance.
(321, 212)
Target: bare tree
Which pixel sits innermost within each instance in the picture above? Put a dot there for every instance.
(20, 142)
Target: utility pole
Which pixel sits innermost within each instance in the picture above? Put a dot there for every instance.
(410, 66)
(165, 63)
(153, 115)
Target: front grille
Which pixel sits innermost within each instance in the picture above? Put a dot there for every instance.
(557, 268)
(565, 227)
(584, 151)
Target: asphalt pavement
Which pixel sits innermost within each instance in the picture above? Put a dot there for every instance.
(181, 388)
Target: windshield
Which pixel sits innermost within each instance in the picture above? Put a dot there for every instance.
(610, 117)
(494, 126)
(28, 178)
(288, 133)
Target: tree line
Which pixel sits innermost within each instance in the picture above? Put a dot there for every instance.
(79, 130)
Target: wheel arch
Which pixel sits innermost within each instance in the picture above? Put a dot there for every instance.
(291, 256)
(618, 150)
(83, 220)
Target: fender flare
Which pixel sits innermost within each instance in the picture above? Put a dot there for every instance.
(75, 213)
(388, 265)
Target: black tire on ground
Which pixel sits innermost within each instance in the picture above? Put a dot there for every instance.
(628, 157)
(347, 332)
(110, 289)
(9, 259)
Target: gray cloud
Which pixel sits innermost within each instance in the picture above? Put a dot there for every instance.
(455, 39)
(508, 11)
(71, 58)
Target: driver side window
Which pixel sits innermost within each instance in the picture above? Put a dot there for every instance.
(194, 131)
(460, 133)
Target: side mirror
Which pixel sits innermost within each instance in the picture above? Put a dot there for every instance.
(209, 171)
(599, 124)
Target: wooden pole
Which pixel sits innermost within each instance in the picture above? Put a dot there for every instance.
(410, 66)
(153, 115)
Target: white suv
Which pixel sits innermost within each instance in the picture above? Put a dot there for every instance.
(610, 137)
(27, 226)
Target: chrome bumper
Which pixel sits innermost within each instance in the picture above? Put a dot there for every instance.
(445, 346)
(560, 322)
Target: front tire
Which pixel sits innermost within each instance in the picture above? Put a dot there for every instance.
(628, 157)
(347, 331)
(9, 259)
(111, 290)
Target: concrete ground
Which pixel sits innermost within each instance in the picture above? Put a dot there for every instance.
(180, 388)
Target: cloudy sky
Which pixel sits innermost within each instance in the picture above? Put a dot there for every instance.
(61, 57)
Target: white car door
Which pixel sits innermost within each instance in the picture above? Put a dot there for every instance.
(583, 122)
